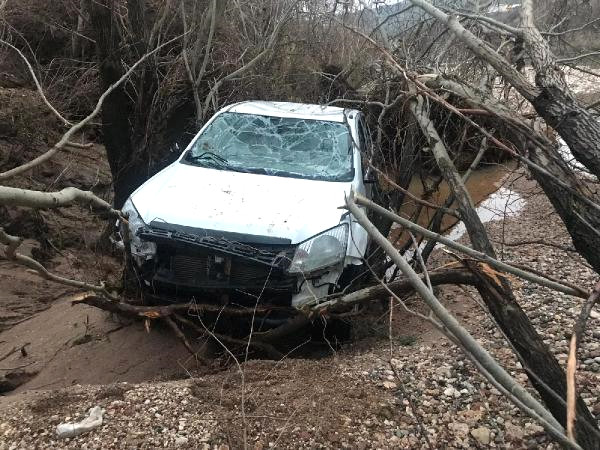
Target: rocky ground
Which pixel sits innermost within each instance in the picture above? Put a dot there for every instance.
(412, 390)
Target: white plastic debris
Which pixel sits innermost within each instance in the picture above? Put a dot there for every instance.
(70, 429)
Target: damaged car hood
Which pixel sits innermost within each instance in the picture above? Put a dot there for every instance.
(263, 205)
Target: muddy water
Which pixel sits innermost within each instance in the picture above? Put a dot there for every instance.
(485, 187)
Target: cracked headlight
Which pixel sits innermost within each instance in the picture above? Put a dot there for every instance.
(140, 250)
(323, 250)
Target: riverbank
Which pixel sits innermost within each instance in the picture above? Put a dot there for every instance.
(350, 399)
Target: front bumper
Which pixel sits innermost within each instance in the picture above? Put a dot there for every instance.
(188, 263)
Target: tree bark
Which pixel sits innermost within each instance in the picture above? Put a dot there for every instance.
(578, 127)
(127, 113)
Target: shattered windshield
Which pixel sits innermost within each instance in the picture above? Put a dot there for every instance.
(280, 146)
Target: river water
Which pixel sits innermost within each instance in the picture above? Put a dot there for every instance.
(493, 200)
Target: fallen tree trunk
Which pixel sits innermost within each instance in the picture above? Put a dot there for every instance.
(171, 313)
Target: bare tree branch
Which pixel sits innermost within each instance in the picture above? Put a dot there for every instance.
(578, 330)
(499, 265)
(37, 83)
(577, 57)
(461, 334)
(11, 254)
(68, 196)
(482, 49)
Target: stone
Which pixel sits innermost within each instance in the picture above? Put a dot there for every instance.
(471, 417)
(513, 432)
(533, 429)
(451, 392)
(180, 441)
(389, 385)
(460, 429)
(482, 435)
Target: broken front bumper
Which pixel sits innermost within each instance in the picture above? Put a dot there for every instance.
(205, 261)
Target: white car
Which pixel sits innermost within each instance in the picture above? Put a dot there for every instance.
(253, 207)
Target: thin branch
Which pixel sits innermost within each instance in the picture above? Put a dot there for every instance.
(180, 335)
(78, 145)
(37, 83)
(577, 58)
(11, 254)
(488, 20)
(571, 30)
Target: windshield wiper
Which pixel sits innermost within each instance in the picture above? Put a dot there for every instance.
(214, 161)
(206, 156)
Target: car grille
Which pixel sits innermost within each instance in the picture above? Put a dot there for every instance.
(196, 270)
(189, 269)
(187, 260)
(212, 271)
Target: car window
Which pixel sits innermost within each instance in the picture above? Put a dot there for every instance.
(300, 148)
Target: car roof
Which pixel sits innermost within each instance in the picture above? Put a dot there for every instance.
(296, 110)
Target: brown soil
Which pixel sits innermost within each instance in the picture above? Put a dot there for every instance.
(67, 345)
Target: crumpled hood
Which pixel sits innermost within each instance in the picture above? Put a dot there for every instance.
(256, 204)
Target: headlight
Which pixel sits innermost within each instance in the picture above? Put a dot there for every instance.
(141, 250)
(323, 250)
